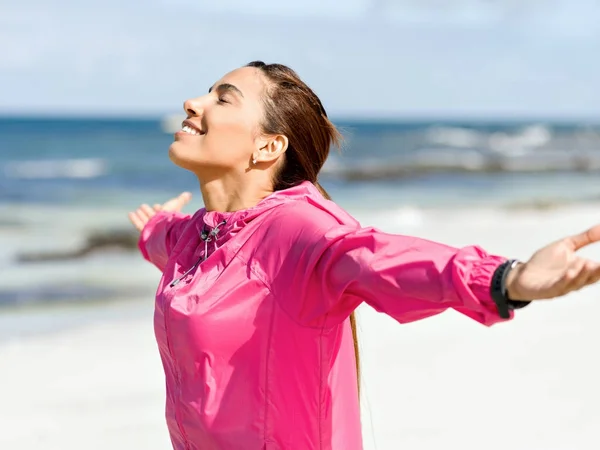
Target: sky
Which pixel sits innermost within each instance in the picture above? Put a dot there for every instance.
(365, 58)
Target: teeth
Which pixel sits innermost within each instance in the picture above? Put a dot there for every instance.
(190, 130)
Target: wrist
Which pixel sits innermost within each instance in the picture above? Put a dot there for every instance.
(503, 289)
(512, 280)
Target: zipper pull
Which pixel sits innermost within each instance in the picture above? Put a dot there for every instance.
(206, 237)
(176, 281)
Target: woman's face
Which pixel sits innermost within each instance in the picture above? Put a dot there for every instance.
(222, 131)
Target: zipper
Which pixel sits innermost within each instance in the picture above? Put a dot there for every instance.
(175, 372)
(206, 236)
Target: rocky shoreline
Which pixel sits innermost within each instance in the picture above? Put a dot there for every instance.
(97, 241)
(126, 240)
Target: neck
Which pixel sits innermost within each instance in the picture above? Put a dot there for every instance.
(229, 194)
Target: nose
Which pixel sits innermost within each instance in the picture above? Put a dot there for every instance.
(192, 107)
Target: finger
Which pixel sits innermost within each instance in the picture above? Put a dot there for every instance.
(136, 221)
(175, 204)
(150, 212)
(585, 270)
(594, 277)
(593, 271)
(184, 198)
(574, 274)
(157, 207)
(586, 238)
(142, 214)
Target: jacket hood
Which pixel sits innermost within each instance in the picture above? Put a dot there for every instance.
(234, 220)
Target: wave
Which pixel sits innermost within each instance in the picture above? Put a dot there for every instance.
(60, 168)
(446, 159)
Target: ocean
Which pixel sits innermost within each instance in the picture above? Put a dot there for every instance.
(66, 186)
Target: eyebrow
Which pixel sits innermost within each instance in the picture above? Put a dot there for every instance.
(226, 87)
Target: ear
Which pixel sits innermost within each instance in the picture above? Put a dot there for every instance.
(271, 148)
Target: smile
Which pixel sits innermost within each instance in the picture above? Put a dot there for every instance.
(189, 130)
(188, 127)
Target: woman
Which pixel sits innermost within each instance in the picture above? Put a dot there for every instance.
(254, 309)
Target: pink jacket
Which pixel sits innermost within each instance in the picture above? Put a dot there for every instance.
(252, 322)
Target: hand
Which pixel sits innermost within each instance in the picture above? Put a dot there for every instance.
(555, 270)
(140, 217)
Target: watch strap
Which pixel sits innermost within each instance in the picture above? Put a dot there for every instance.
(499, 292)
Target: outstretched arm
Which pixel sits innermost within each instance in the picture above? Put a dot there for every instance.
(405, 277)
(410, 278)
(160, 227)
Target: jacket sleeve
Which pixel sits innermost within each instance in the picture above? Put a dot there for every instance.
(160, 235)
(405, 277)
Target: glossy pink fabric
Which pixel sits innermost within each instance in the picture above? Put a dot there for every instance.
(256, 342)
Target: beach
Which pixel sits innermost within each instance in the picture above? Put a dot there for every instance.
(466, 123)
(445, 382)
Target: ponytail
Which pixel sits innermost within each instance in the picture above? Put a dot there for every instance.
(321, 190)
(352, 316)
(292, 109)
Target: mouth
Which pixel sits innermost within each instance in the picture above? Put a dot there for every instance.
(190, 128)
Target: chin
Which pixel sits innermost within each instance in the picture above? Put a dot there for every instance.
(178, 156)
(173, 155)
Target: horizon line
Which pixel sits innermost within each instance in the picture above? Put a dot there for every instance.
(350, 118)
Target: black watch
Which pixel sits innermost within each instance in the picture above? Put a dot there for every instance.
(498, 289)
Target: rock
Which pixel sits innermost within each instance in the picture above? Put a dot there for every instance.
(9, 224)
(96, 241)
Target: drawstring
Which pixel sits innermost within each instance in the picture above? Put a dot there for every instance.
(207, 237)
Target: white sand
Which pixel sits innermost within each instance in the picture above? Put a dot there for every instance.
(446, 382)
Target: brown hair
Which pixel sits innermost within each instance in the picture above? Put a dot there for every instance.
(294, 110)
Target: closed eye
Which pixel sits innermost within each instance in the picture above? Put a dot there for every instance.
(226, 89)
